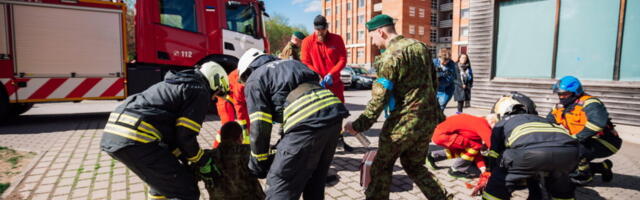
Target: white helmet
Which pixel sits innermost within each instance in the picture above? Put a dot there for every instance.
(217, 77)
(513, 103)
(247, 58)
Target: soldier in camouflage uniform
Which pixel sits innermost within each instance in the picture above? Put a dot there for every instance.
(292, 49)
(405, 89)
(233, 157)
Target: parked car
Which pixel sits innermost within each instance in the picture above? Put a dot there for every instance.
(345, 77)
(360, 78)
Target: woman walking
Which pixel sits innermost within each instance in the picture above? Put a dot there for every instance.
(464, 83)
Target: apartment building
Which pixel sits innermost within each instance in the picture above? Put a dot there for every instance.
(442, 15)
(348, 17)
(460, 28)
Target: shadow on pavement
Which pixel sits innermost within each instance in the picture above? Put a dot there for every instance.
(354, 107)
(619, 181)
(401, 183)
(32, 124)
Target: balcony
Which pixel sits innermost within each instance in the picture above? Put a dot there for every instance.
(445, 23)
(377, 7)
(444, 39)
(446, 7)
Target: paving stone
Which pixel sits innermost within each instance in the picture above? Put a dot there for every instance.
(119, 195)
(49, 180)
(44, 189)
(40, 197)
(40, 170)
(63, 190)
(99, 194)
(101, 185)
(138, 195)
(61, 197)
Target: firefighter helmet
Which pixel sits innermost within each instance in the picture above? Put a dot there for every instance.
(514, 103)
(247, 58)
(568, 84)
(217, 77)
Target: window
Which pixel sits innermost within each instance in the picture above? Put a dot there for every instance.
(587, 42)
(421, 13)
(337, 24)
(242, 19)
(179, 14)
(512, 60)
(337, 9)
(412, 29)
(360, 54)
(361, 3)
(348, 5)
(434, 4)
(412, 11)
(348, 36)
(464, 31)
(629, 65)
(360, 35)
(360, 19)
(420, 30)
(464, 13)
(433, 36)
(327, 11)
(349, 53)
(348, 21)
(434, 19)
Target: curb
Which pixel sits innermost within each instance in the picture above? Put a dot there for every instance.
(18, 179)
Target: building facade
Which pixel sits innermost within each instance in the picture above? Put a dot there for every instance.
(347, 18)
(442, 19)
(527, 45)
(460, 28)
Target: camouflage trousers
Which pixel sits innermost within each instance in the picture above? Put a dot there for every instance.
(412, 152)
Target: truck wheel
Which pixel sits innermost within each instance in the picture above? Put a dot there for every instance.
(19, 108)
(4, 105)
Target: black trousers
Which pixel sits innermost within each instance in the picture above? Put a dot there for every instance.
(162, 171)
(301, 163)
(523, 167)
(592, 148)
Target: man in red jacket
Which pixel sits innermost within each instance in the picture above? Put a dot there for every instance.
(325, 53)
(233, 107)
(462, 136)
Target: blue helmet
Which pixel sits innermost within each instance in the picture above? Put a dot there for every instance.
(568, 84)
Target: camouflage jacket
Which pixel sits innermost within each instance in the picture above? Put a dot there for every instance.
(290, 51)
(235, 182)
(407, 65)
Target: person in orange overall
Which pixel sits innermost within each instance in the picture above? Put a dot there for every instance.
(325, 54)
(233, 107)
(463, 136)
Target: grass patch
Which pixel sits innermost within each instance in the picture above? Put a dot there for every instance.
(3, 187)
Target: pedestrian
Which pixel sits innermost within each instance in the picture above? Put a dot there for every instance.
(464, 83)
(525, 150)
(232, 158)
(447, 73)
(325, 53)
(233, 107)
(154, 132)
(587, 119)
(292, 49)
(288, 92)
(463, 136)
(405, 89)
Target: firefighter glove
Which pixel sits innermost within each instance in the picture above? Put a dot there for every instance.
(260, 168)
(207, 172)
(482, 183)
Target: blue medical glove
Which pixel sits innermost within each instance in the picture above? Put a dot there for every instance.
(328, 80)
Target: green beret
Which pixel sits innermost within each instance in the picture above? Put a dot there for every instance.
(379, 21)
(299, 35)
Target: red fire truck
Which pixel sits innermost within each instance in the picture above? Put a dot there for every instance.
(73, 50)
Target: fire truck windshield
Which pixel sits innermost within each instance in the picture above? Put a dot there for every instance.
(178, 14)
(242, 19)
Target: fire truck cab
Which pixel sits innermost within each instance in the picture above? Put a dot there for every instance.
(73, 50)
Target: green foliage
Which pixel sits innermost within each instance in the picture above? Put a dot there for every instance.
(3, 187)
(279, 32)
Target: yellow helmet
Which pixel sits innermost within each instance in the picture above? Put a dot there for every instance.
(217, 77)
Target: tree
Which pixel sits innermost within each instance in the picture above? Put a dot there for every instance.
(279, 32)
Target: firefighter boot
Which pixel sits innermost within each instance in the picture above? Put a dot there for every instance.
(583, 174)
(603, 168)
(343, 145)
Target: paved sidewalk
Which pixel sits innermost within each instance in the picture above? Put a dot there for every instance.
(71, 166)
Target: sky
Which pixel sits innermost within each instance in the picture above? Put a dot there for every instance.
(297, 11)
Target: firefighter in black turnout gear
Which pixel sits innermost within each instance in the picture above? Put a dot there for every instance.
(528, 150)
(287, 92)
(154, 132)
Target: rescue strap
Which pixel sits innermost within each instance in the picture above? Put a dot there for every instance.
(534, 127)
(131, 127)
(391, 105)
(188, 123)
(308, 105)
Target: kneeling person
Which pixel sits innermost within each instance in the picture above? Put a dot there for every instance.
(232, 158)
